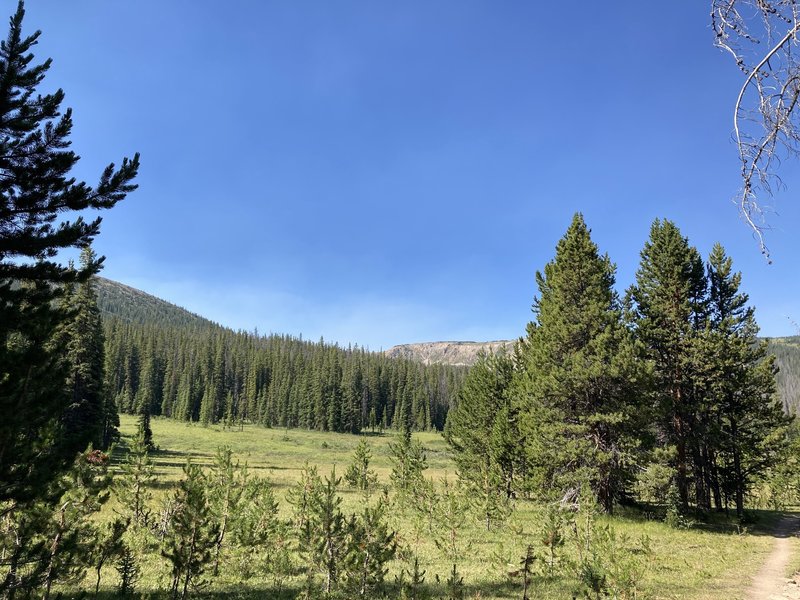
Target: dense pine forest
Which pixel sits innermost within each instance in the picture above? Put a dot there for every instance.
(162, 360)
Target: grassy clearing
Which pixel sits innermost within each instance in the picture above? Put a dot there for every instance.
(705, 561)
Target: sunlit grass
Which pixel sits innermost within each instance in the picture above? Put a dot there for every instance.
(705, 561)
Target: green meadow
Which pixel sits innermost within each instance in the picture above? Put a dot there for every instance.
(708, 560)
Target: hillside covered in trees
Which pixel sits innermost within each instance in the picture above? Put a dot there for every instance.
(164, 360)
(787, 358)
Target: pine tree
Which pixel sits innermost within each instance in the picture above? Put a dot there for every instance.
(577, 388)
(132, 486)
(370, 546)
(480, 428)
(329, 534)
(740, 379)
(667, 313)
(358, 473)
(193, 534)
(35, 190)
(69, 547)
(408, 462)
(86, 419)
(227, 482)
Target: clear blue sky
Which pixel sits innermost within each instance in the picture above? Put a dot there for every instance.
(389, 172)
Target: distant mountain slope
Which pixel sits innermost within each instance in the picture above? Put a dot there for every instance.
(786, 351)
(136, 306)
(787, 354)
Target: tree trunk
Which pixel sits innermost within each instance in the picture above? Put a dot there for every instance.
(738, 478)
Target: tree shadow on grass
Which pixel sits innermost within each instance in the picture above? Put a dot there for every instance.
(759, 522)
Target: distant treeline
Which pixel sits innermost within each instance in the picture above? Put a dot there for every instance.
(211, 374)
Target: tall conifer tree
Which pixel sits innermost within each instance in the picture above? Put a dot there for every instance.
(35, 190)
(577, 388)
(667, 311)
(740, 378)
(87, 418)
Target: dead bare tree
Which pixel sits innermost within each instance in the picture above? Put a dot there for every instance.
(762, 37)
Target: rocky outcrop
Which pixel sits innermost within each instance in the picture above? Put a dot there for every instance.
(447, 353)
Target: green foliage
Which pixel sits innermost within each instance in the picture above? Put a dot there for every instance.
(606, 564)
(193, 533)
(668, 309)
(127, 568)
(70, 531)
(227, 482)
(370, 547)
(412, 582)
(408, 463)
(450, 515)
(657, 478)
(552, 537)
(358, 473)
(108, 546)
(579, 385)
(132, 486)
(329, 532)
(454, 584)
(526, 570)
(178, 365)
(481, 428)
(54, 541)
(144, 432)
(36, 190)
(87, 419)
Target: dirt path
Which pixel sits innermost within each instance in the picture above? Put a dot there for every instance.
(771, 583)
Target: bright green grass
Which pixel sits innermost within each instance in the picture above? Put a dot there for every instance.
(704, 562)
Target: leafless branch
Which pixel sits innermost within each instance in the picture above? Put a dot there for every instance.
(762, 37)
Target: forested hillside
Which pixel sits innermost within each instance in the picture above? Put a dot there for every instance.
(787, 354)
(135, 306)
(163, 360)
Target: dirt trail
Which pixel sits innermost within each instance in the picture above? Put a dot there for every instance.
(771, 583)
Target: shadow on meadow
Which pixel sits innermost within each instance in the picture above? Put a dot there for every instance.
(757, 522)
(434, 591)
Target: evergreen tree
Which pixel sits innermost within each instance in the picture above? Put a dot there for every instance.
(133, 483)
(144, 432)
(71, 533)
(108, 545)
(481, 427)
(35, 190)
(86, 419)
(667, 313)
(740, 378)
(577, 386)
(329, 533)
(370, 546)
(227, 482)
(408, 462)
(358, 473)
(193, 534)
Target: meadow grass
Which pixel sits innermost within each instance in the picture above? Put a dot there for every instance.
(710, 560)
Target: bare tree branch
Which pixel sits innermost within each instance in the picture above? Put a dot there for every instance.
(765, 122)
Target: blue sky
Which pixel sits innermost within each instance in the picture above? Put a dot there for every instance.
(392, 172)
